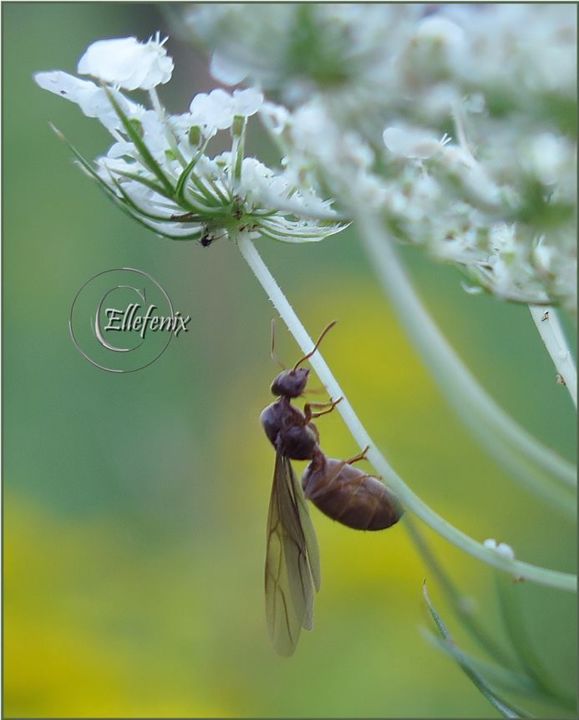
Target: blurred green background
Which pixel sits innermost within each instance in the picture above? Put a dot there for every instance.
(135, 505)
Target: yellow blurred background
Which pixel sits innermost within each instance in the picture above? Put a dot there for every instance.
(135, 505)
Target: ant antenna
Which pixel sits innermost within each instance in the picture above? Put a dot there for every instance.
(273, 354)
(316, 346)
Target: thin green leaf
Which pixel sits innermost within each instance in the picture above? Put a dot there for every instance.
(196, 235)
(146, 182)
(206, 193)
(217, 190)
(497, 674)
(95, 176)
(504, 708)
(146, 156)
(457, 601)
(141, 211)
(118, 201)
(182, 182)
(78, 155)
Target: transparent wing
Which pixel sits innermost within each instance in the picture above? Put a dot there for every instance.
(292, 567)
(309, 533)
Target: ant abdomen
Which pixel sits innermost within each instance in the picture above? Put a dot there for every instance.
(348, 495)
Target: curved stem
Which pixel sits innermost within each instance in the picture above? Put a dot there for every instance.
(410, 500)
(497, 430)
(551, 332)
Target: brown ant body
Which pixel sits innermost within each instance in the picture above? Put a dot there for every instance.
(337, 488)
(350, 496)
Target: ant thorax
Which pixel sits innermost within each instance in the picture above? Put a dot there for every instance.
(288, 430)
(290, 383)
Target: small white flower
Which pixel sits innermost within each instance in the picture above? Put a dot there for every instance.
(410, 142)
(439, 32)
(543, 255)
(546, 157)
(216, 110)
(247, 102)
(263, 188)
(276, 117)
(474, 103)
(501, 548)
(91, 99)
(471, 175)
(128, 63)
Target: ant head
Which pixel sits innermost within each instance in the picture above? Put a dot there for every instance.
(290, 383)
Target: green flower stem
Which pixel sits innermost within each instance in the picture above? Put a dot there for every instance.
(409, 499)
(237, 149)
(486, 419)
(551, 332)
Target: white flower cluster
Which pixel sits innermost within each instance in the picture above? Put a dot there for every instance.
(158, 168)
(299, 49)
(456, 122)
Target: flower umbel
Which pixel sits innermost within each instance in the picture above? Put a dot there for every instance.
(390, 84)
(159, 169)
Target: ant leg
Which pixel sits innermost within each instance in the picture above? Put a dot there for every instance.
(358, 457)
(315, 391)
(360, 482)
(351, 461)
(320, 486)
(329, 407)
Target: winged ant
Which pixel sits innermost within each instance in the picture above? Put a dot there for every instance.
(340, 490)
